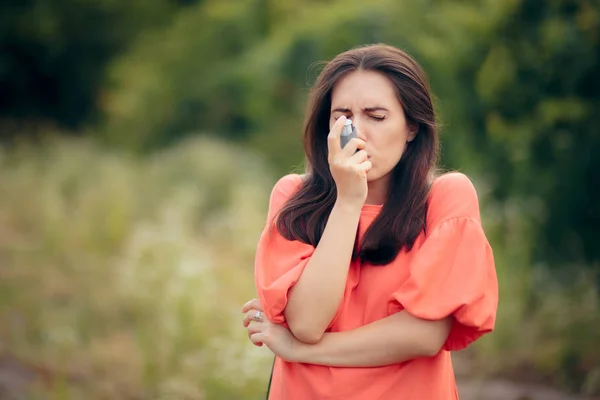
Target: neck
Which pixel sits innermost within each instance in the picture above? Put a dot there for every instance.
(377, 191)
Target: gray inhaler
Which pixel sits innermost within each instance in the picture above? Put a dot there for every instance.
(348, 132)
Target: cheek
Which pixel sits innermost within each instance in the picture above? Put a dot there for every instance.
(391, 154)
(390, 145)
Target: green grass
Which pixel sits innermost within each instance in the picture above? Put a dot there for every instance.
(128, 275)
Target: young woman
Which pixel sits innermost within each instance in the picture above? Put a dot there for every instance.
(371, 268)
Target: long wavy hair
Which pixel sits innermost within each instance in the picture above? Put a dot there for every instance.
(403, 215)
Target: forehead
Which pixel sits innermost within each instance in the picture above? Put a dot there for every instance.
(363, 87)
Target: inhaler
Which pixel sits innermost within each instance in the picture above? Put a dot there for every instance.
(348, 132)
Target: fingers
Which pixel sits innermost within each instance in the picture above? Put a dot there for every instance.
(257, 339)
(333, 139)
(253, 304)
(352, 154)
(249, 317)
(358, 158)
(255, 333)
(255, 329)
(354, 145)
(365, 166)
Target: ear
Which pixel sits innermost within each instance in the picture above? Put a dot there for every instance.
(413, 129)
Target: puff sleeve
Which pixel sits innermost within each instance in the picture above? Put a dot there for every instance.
(453, 272)
(279, 262)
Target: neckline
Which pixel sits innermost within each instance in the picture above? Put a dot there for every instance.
(372, 207)
(367, 208)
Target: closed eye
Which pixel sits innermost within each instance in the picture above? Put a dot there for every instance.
(378, 117)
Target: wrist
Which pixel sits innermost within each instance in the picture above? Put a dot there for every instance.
(301, 352)
(348, 205)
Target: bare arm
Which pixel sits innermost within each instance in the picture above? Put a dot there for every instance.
(391, 340)
(315, 298)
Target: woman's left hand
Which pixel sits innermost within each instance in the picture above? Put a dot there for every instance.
(276, 337)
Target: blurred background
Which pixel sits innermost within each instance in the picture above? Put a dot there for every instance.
(140, 140)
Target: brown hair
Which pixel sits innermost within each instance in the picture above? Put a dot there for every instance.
(403, 215)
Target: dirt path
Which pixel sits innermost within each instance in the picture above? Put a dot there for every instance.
(506, 390)
(470, 388)
(16, 376)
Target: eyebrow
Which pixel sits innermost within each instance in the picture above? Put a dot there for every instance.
(368, 109)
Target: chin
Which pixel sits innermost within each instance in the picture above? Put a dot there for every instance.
(372, 176)
(376, 174)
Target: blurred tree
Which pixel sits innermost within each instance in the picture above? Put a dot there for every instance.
(530, 91)
(178, 79)
(550, 56)
(241, 72)
(53, 54)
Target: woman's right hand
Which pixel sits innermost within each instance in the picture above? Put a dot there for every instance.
(348, 166)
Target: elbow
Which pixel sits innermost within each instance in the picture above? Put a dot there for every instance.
(435, 338)
(305, 330)
(431, 349)
(308, 336)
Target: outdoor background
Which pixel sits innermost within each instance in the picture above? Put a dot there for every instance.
(140, 140)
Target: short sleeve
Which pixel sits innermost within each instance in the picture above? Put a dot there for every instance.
(453, 272)
(279, 262)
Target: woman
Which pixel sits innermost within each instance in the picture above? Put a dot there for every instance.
(371, 268)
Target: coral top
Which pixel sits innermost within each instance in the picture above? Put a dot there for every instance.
(449, 271)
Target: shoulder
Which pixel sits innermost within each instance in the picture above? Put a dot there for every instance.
(287, 184)
(453, 184)
(284, 188)
(452, 195)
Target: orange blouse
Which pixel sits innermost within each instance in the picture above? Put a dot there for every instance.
(449, 271)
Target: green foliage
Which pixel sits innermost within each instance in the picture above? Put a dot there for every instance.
(54, 54)
(538, 88)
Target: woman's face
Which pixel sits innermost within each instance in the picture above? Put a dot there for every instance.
(369, 99)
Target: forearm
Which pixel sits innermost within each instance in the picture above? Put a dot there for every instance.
(394, 339)
(315, 298)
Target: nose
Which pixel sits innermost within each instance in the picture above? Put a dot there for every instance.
(359, 131)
